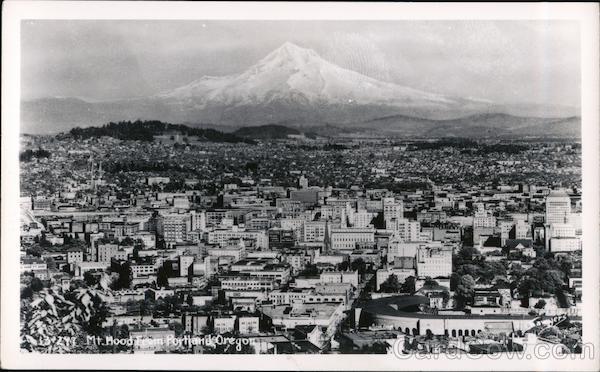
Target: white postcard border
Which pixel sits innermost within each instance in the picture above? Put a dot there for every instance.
(15, 11)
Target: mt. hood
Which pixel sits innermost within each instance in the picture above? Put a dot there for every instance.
(294, 74)
(291, 84)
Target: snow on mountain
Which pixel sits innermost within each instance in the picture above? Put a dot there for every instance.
(294, 85)
(294, 74)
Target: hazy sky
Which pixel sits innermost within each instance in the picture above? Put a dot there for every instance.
(503, 61)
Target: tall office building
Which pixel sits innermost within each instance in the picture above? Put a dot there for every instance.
(522, 230)
(172, 227)
(558, 207)
(407, 231)
(393, 210)
(483, 217)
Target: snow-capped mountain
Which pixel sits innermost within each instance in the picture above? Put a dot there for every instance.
(295, 74)
(291, 85)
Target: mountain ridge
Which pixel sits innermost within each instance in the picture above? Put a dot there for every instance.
(291, 84)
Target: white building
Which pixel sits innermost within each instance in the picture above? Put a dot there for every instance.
(350, 277)
(224, 324)
(522, 230)
(172, 227)
(406, 230)
(565, 244)
(484, 219)
(142, 270)
(399, 248)
(106, 252)
(83, 267)
(248, 325)
(247, 283)
(74, 255)
(185, 261)
(347, 239)
(280, 297)
(363, 219)
(314, 231)
(327, 315)
(434, 261)
(223, 236)
(562, 230)
(148, 239)
(558, 207)
(392, 210)
(157, 180)
(181, 202)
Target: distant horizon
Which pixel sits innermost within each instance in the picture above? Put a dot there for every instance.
(311, 128)
(133, 65)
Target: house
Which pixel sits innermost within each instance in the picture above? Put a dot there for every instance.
(224, 324)
(438, 295)
(524, 246)
(74, 255)
(487, 297)
(312, 333)
(248, 325)
(489, 244)
(195, 323)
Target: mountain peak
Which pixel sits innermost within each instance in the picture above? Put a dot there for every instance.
(289, 52)
(292, 48)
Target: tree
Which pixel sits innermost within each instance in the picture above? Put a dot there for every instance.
(542, 264)
(378, 222)
(551, 280)
(136, 252)
(465, 290)
(540, 304)
(52, 314)
(146, 307)
(35, 250)
(390, 285)
(467, 253)
(517, 271)
(310, 270)
(343, 266)
(177, 327)
(454, 279)
(468, 269)
(526, 287)
(127, 241)
(496, 268)
(359, 265)
(162, 279)
(26, 293)
(409, 285)
(125, 275)
(36, 284)
(51, 263)
(429, 282)
(566, 264)
(90, 279)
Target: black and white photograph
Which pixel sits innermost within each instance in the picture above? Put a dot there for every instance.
(218, 188)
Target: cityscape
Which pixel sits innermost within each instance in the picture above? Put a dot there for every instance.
(320, 211)
(248, 240)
